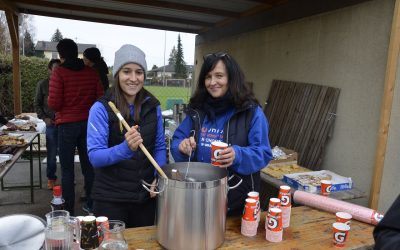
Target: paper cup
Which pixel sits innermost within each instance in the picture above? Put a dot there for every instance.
(343, 217)
(340, 234)
(250, 210)
(326, 187)
(216, 148)
(256, 196)
(284, 196)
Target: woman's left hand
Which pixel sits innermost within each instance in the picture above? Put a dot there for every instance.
(226, 157)
(133, 138)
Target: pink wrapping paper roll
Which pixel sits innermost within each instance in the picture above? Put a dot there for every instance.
(360, 213)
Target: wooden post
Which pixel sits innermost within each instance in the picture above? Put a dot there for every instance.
(12, 22)
(386, 107)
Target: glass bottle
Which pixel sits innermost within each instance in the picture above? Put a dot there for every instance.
(57, 203)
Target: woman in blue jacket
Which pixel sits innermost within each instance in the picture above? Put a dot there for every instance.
(223, 108)
(119, 164)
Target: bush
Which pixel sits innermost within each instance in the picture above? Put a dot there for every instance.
(33, 69)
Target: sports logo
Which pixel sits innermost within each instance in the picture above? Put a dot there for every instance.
(217, 152)
(273, 223)
(285, 200)
(328, 189)
(339, 237)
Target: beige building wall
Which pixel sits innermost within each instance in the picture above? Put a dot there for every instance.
(346, 49)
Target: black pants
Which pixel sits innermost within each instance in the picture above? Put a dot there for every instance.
(133, 214)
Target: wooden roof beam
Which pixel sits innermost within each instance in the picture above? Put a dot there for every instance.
(183, 7)
(72, 7)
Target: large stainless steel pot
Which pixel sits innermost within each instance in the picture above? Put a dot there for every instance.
(192, 214)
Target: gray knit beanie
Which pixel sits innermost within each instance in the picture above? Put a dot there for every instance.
(129, 54)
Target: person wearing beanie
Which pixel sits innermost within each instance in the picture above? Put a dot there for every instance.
(73, 88)
(92, 58)
(119, 164)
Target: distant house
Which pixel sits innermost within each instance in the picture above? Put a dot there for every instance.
(49, 49)
(169, 71)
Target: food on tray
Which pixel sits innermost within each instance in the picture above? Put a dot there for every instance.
(27, 126)
(6, 140)
(315, 180)
(22, 117)
(280, 170)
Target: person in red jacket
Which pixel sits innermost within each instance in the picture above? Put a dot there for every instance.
(73, 89)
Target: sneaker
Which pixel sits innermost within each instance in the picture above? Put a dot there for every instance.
(87, 209)
(51, 184)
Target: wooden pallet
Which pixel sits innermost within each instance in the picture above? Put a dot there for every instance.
(301, 117)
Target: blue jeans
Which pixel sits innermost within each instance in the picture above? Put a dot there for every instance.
(51, 146)
(70, 136)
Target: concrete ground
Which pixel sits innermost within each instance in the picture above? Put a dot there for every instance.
(17, 201)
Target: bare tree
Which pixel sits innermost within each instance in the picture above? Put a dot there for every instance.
(5, 41)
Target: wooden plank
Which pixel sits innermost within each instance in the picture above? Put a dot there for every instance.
(314, 145)
(386, 107)
(316, 154)
(309, 229)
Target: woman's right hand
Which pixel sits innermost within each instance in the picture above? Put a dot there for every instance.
(187, 146)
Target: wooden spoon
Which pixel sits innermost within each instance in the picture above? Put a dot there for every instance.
(142, 147)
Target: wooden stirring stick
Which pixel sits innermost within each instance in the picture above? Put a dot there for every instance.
(142, 147)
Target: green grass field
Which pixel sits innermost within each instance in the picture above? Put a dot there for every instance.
(170, 95)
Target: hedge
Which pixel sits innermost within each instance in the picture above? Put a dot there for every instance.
(33, 69)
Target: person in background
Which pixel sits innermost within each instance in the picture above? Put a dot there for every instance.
(92, 58)
(387, 232)
(223, 108)
(73, 89)
(48, 115)
(119, 164)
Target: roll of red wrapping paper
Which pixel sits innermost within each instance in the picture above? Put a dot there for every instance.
(360, 213)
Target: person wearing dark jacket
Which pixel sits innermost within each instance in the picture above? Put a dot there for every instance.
(223, 108)
(119, 164)
(92, 58)
(48, 116)
(387, 232)
(73, 89)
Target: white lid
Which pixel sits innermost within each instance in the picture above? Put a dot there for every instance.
(21, 231)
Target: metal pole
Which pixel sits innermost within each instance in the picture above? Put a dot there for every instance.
(165, 45)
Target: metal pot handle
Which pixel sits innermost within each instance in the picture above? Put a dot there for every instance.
(237, 185)
(146, 186)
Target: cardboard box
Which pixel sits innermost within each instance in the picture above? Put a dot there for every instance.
(291, 158)
(339, 182)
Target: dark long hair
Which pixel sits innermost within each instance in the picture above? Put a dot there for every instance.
(122, 104)
(237, 86)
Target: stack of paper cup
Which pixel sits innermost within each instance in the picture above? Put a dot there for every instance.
(274, 231)
(273, 203)
(249, 218)
(286, 205)
(255, 195)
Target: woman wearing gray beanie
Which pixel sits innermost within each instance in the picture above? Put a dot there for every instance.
(119, 164)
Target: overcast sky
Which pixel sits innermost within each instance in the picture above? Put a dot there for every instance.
(109, 38)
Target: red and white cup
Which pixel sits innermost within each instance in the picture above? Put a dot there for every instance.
(343, 217)
(101, 221)
(216, 148)
(256, 196)
(249, 219)
(273, 203)
(326, 186)
(274, 231)
(340, 234)
(284, 196)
